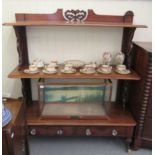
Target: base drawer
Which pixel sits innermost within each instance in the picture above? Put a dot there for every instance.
(50, 131)
(104, 131)
(81, 131)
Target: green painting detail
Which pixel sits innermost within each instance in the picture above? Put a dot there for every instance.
(77, 94)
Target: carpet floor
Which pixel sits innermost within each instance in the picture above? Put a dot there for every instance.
(80, 146)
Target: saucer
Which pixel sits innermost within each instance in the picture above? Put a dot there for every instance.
(87, 71)
(125, 71)
(103, 72)
(27, 71)
(49, 72)
(68, 71)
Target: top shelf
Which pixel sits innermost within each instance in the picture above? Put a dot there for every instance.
(66, 23)
(75, 18)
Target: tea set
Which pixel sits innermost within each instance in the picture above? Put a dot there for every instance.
(38, 65)
(105, 68)
(72, 66)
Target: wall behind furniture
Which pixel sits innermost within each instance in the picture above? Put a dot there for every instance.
(67, 41)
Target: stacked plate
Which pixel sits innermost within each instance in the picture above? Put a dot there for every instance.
(6, 116)
(75, 63)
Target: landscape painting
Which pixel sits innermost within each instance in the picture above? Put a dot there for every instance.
(74, 93)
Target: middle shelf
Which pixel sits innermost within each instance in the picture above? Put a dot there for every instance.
(18, 72)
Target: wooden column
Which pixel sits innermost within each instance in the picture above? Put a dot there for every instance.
(128, 34)
(124, 86)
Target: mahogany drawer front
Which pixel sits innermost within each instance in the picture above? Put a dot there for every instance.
(102, 131)
(50, 131)
(80, 131)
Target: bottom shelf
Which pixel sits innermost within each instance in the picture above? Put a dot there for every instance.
(74, 110)
(115, 117)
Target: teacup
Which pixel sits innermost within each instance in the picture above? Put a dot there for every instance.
(35, 62)
(68, 67)
(121, 67)
(89, 69)
(106, 68)
(38, 63)
(32, 68)
(50, 69)
(53, 64)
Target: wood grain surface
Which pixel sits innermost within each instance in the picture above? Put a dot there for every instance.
(19, 73)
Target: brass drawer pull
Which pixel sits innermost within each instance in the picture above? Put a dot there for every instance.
(33, 132)
(60, 132)
(88, 132)
(114, 132)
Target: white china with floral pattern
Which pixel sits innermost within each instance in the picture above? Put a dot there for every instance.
(27, 71)
(39, 63)
(90, 65)
(68, 68)
(119, 58)
(120, 67)
(105, 69)
(126, 71)
(48, 69)
(33, 69)
(53, 64)
(88, 70)
(107, 58)
(75, 63)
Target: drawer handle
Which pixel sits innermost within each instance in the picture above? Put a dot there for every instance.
(114, 132)
(60, 132)
(88, 132)
(12, 135)
(33, 132)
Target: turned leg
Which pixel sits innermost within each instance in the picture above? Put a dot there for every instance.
(128, 143)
